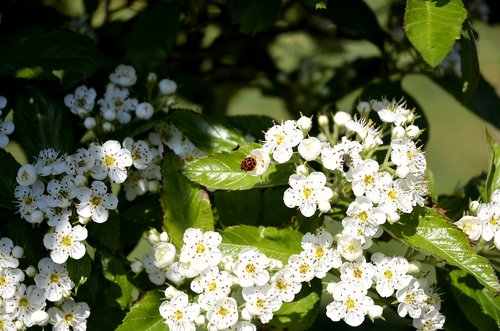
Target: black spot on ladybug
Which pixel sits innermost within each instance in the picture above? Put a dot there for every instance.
(248, 164)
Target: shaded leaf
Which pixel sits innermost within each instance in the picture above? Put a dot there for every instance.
(222, 172)
(184, 204)
(431, 232)
(302, 312)
(469, 62)
(432, 26)
(238, 207)
(273, 242)
(206, 132)
(255, 15)
(79, 270)
(8, 181)
(254, 125)
(42, 121)
(114, 271)
(493, 178)
(145, 315)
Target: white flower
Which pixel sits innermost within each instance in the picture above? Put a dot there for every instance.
(7, 260)
(25, 302)
(307, 193)
(429, 321)
(341, 117)
(281, 138)
(212, 284)
(319, 249)
(3, 103)
(350, 303)
(261, 301)
(7, 322)
(304, 123)
(349, 247)
(412, 299)
(6, 128)
(61, 193)
(416, 185)
(30, 201)
(310, 148)
(164, 254)
(70, 314)
(489, 214)
(139, 151)
(89, 123)
(471, 226)
(111, 160)
(367, 180)
(394, 199)
(358, 273)
(95, 202)
(26, 175)
(116, 104)
(144, 111)
(10, 278)
(223, 314)
(124, 76)
(201, 249)
(179, 314)
(259, 159)
(156, 275)
(167, 86)
(82, 102)
(301, 268)
(363, 220)
(188, 152)
(250, 268)
(366, 131)
(391, 111)
(343, 156)
(390, 274)
(66, 242)
(283, 285)
(53, 279)
(49, 163)
(405, 153)
(363, 107)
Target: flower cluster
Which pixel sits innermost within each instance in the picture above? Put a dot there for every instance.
(6, 127)
(483, 221)
(117, 106)
(25, 305)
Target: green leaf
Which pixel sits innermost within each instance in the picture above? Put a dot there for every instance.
(79, 270)
(107, 233)
(184, 204)
(145, 316)
(114, 271)
(273, 242)
(469, 63)
(238, 207)
(8, 181)
(206, 132)
(255, 15)
(57, 50)
(274, 210)
(493, 178)
(301, 313)
(480, 301)
(42, 121)
(317, 4)
(432, 26)
(153, 35)
(254, 125)
(222, 172)
(426, 230)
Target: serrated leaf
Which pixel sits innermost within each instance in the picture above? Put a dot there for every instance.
(184, 204)
(57, 50)
(433, 26)
(255, 15)
(145, 315)
(493, 178)
(426, 230)
(79, 270)
(273, 242)
(469, 62)
(301, 313)
(8, 179)
(222, 172)
(153, 35)
(205, 132)
(42, 121)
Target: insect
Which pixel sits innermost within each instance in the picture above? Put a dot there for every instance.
(346, 162)
(248, 164)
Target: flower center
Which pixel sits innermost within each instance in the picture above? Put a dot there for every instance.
(212, 286)
(320, 252)
(363, 216)
(223, 311)
(1, 324)
(281, 285)
(178, 315)
(68, 318)
(369, 180)
(388, 274)
(95, 200)
(118, 103)
(493, 220)
(410, 298)
(66, 241)
(54, 278)
(393, 195)
(23, 302)
(358, 273)
(260, 303)
(3, 281)
(81, 103)
(307, 192)
(109, 160)
(250, 268)
(136, 155)
(350, 303)
(409, 155)
(279, 139)
(200, 249)
(304, 268)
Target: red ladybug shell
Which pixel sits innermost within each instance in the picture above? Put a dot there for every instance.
(248, 164)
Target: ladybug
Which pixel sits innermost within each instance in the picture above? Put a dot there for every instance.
(248, 164)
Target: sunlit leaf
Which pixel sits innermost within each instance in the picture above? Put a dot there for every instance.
(145, 315)
(222, 172)
(431, 232)
(432, 26)
(273, 242)
(469, 62)
(493, 179)
(185, 205)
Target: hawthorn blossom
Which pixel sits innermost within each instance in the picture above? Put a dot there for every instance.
(7, 260)
(179, 314)
(406, 154)
(391, 111)
(139, 151)
(368, 181)
(363, 220)
(250, 268)
(111, 160)
(390, 274)
(25, 302)
(69, 314)
(358, 273)
(95, 202)
(319, 248)
(53, 279)
(200, 249)
(223, 314)
(124, 75)
(212, 284)
(261, 301)
(284, 286)
(301, 268)
(82, 102)
(10, 279)
(65, 242)
(411, 299)
(281, 138)
(342, 156)
(430, 321)
(308, 193)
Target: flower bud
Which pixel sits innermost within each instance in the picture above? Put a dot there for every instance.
(31, 271)
(302, 170)
(164, 236)
(39, 317)
(414, 267)
(323, 120)
(144, 111)
(473, 206)
(363, 107)
(26, 175)
(167, 86)
(304, 123)
(153, 236)
(412, 131)
(310, 148)
(136, 266)
(374, 312)
(89, 123)
(17, 252)
(398, 132)
(341, 117)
